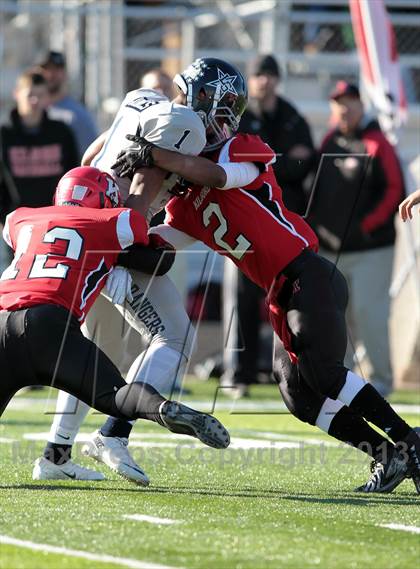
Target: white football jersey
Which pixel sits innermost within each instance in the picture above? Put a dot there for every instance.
(150, 114)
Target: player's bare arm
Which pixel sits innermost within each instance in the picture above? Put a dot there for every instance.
(196, 169)
(93, 149)
(407, 205)
(144, 188)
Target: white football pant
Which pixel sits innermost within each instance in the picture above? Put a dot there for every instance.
(154, 324)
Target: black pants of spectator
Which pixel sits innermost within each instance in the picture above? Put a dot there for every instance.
(43, 345)
(242, 324)
(315, 307)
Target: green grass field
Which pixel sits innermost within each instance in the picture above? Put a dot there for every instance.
(279, 497)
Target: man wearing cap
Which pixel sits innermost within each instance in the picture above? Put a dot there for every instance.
(359, 188)
(63, 106)
(279, 124)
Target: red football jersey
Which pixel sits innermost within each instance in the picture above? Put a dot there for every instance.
(63, 254)
(250, 225)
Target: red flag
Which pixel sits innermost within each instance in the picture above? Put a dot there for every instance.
(380, 70)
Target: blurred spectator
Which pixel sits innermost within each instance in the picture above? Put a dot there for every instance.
(158, 80)
(280, 125)
(64, 107)
(321, 27)
(242, 320)
(35, 150)
(315, 35)
(355, 201)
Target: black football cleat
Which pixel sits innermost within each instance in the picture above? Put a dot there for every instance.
(181, 419)
(386, 476)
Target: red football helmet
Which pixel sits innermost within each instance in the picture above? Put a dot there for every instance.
(87, 187)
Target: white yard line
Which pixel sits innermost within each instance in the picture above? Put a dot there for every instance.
(5, 440)
(237, 442)
(86, 436)
(45, 548)
(306, 439)
(401, 527)
(145, 440)
(32, 403)
(261, 407)
(260, 439)
(138, 444)
(43, 436)
(242, 443)
(269, 405)
(151, 519)
(159, 436)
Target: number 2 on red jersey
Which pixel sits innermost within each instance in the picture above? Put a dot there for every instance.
(242, 243)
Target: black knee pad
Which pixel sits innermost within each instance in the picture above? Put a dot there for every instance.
(304, 407)
(298, 397)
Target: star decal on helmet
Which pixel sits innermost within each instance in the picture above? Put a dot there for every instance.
(224, 82)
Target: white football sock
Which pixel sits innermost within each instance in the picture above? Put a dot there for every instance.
(69, 415)
(327, 413)
(351, 388)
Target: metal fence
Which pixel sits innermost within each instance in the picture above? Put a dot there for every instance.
(109, 44)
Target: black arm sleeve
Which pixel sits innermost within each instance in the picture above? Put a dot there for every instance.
(147, 259)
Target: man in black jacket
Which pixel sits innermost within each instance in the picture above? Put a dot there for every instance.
(359, 188)
(35, 150)
(280, 125)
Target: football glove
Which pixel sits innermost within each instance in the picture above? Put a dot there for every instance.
(118, 285)
(180, 188)
(134, 157)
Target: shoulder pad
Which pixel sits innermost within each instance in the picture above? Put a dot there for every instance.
(139, 96)
(247, 148)
(174, 127)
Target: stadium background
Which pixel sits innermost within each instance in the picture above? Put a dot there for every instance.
(109, 44)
